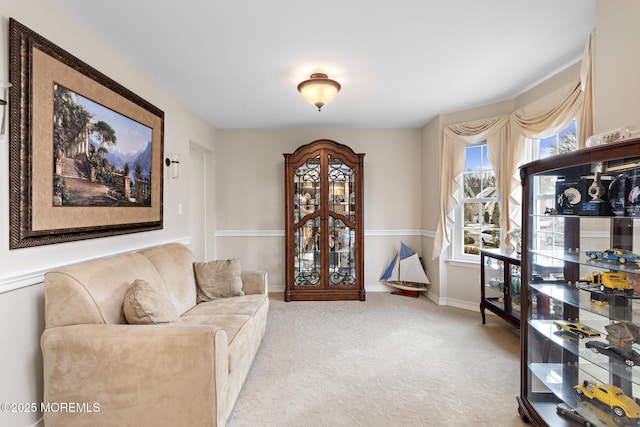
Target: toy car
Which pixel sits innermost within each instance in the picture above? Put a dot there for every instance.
(610, 396)
(610, 282)
(618, 255)
(570, 413)
(576, 328)
(629, 356)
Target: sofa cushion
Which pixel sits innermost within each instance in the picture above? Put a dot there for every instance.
(174, 263)
(144, 304)
(247, 304)
(93, 291)
(239, 329)
(218, 279)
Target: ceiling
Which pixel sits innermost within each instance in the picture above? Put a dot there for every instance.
(237, 63)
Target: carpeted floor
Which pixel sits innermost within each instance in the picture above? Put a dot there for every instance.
(388, 361)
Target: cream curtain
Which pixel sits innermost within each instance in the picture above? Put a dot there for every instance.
(585, 119)
(540, 119)
(456, 137)
(505, 136)
(548, 115)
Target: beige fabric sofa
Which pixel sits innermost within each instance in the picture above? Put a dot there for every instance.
(187, 373)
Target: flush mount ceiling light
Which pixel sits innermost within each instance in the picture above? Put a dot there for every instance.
(319, 89)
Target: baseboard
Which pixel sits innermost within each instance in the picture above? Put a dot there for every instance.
(465, 305)
(370, 287)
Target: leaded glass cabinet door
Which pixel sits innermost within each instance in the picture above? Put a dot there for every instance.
(324, 230)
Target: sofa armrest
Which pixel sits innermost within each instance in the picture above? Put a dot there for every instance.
(255, 282)
(137, 374)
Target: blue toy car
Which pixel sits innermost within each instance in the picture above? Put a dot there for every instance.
(617, 255)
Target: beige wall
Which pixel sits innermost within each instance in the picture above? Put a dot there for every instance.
(21, 293)
(431, 171)
(250, 193)
(617, 86)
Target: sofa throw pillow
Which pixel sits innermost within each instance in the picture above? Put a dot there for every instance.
(218, 279)
(144, 305)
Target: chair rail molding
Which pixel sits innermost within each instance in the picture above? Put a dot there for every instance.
(36, 276)
(280, 233)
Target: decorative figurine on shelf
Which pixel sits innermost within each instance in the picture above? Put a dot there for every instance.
(618, 255)
(622, 334)
(612, 282)
(311, 242)
(564, 410)
(596, 189)
(629, 356)
(576, 328)
(610, 396)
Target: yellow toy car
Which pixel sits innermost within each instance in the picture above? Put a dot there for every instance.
(609, 396)
(576, 328)
(611, 282)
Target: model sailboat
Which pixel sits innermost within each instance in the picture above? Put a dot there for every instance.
(406, 273)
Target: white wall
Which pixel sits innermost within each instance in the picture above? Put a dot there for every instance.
(21, 293)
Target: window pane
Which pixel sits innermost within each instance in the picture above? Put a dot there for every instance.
(472, 184)
(473, 159)
(481, 226)
(547, 147)
(481, 214)
(547, 185)
(563, 142)
(486, 164)
(488, 185)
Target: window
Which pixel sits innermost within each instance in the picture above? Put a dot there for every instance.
(477, 210)
(550, 229)
(564, 141)
(477, 224)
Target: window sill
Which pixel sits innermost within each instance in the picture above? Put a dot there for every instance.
(464, 263)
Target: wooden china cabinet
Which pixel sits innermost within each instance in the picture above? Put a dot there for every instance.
(324, 230)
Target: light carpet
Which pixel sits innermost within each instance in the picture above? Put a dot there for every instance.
(387, 361)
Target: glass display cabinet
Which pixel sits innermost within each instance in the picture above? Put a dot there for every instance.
(500, 285)
(324, 231)
(581, 288)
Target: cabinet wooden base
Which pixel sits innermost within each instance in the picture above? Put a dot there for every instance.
(334, 295)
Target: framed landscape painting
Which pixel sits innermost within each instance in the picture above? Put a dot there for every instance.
(85, 152)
